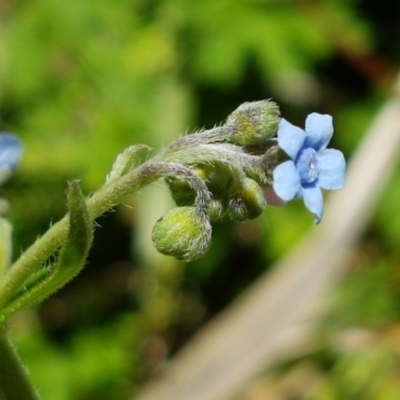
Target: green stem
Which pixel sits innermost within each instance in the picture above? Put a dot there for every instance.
(14, 380)
(103, 200)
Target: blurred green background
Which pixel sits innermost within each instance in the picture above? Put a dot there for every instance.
(82, 80)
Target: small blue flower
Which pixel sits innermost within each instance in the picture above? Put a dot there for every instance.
(313, 167)
(10, 153)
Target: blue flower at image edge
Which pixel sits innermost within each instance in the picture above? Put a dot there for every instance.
(312, 166)
(11, 149)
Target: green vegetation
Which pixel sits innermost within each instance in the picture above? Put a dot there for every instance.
(82, 80)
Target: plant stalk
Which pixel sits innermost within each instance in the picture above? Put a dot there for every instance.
(14, 381)
(102, 201)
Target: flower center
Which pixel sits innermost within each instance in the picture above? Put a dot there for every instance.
(307, 165)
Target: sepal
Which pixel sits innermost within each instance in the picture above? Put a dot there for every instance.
(124, 161)
(248, 202)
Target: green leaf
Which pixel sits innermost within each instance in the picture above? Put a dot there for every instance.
(73, 253)
(68, 264)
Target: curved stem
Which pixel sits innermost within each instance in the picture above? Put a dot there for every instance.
(103, 200)
(14, 381)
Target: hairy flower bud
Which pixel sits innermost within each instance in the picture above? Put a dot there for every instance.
(216, 210)
(253, 123)
(248, 202)
(184, 233)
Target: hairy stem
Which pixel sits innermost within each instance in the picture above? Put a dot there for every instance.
(14, 380)
(103, 200)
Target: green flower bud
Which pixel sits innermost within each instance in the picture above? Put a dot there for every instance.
(248, 202)
(253, 123)
(216, 210)
(184, 233)
(217, 180)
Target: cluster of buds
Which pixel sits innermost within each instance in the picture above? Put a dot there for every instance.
(254, 158)
(229, 172)
(234, 161)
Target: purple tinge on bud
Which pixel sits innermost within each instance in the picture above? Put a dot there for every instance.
(11, 149)
(312, 166)
(271, 197)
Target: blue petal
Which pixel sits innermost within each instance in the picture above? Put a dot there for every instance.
(290, 138)
(314, 201)
(319, 130)
(10, 153)
(286, 181)
(332, 169)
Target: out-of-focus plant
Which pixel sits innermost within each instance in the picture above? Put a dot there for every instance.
(81, 80)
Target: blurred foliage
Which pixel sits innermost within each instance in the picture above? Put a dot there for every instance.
(82, 80)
